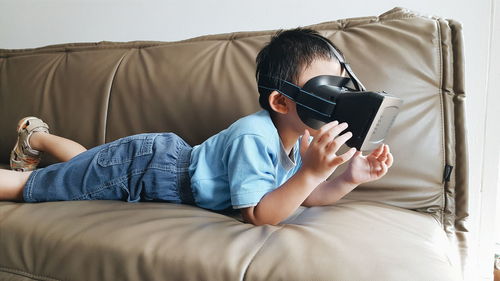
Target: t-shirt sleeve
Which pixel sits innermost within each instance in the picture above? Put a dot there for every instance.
(251, 170)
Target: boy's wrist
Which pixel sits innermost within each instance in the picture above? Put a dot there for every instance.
(311, 178)
(344, 181)
(347, 177)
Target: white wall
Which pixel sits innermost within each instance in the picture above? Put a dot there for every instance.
(34, 23)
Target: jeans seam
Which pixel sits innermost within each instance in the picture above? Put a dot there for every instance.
(166, 168)
(29, 186)
(101, 187)
(114, 182)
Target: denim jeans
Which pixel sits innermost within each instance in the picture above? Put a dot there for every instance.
(144, 167)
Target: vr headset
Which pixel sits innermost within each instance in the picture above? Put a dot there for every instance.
(327, 98)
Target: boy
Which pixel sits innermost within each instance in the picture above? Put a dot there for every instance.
(260, 164)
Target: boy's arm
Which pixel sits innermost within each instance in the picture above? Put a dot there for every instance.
(329, 192)
(318, 162)
(301, 189)
(361, 169)
(281, 202)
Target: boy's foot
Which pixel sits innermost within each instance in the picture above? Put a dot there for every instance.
(23, 157)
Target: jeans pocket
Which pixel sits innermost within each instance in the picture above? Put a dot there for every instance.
(125, 149)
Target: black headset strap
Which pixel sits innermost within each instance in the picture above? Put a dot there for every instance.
(286, 88)
(356, 82)
(299, 95)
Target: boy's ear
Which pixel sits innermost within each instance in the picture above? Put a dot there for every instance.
(278, 102)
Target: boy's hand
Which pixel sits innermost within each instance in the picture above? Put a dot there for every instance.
(319, 157)
(362, 169)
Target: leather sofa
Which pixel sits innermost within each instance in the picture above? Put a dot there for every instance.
(410, 225)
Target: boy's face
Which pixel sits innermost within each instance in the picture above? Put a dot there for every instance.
(316, 68)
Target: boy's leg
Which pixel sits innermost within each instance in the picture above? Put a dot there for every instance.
(118, 170)
(12, 184)
(61, 148)
(34, 138)
(127, 169)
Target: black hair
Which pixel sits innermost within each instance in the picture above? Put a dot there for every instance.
(286, 55)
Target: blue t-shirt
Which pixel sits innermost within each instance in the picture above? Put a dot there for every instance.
(242, 163)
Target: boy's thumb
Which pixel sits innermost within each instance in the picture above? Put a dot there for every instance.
(304, 143)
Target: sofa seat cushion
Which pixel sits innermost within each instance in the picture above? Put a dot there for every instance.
(114, 240)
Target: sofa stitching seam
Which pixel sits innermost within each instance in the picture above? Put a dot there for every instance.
(443, 131)
(26, 274)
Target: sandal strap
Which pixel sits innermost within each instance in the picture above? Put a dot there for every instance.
(34, 125)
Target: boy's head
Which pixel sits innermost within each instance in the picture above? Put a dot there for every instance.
(287, 56)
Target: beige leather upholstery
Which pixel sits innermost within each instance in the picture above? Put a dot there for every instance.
(410, 225)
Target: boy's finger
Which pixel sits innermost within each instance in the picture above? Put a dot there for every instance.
(330, 125)
(304, 142)
(336, 143)
(384, 169)
(376, 153)
(330, 133)
(341, 159)
(390, 160)
(325, 128)
(383, 156)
